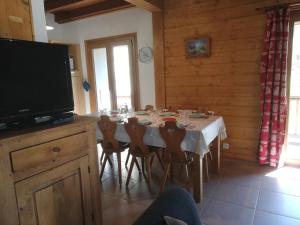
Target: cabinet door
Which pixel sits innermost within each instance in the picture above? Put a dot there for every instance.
(78, 94)
(15, 19)
(60, 196)
(4, 23)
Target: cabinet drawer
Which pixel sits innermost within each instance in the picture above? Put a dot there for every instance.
(50, 152)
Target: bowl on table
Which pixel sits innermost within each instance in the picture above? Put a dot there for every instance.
(167, 119)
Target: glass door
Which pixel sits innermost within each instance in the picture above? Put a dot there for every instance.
(112, 73)
(104, 97)
(122, 71)
(293, 135)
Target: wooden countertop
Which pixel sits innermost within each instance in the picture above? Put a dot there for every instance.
(30, 130)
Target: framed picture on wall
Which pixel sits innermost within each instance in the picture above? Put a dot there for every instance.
(198, 47)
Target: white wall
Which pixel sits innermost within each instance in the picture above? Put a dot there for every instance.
(39, 20)
(132, 20)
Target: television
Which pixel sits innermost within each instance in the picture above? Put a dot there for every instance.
(35, 80)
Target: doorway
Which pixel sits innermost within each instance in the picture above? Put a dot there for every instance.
(293, 134)
(112, 72)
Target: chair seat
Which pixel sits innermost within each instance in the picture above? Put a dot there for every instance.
(189, 159)
(154, 148)
(150, 154)
(124, 145)
(152, 151)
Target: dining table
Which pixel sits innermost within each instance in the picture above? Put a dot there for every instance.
(200, 134)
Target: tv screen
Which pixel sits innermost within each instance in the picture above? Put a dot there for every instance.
(35, 79)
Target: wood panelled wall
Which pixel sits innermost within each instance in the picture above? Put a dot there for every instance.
(228, 81)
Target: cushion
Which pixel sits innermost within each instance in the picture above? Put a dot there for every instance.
(173, 221)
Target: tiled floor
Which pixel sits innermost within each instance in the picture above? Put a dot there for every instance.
(243, 194)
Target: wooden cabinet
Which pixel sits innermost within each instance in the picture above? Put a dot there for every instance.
(78, 93)
(56, 197)
(51, 176)
(77, 80)
(16, 19)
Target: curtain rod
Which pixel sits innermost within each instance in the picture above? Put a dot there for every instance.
(293, 6)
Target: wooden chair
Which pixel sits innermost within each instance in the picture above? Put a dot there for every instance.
(138, 149)
(149, 107)
(109, 144)
(173, 136)
(172, 108)
(102, 155)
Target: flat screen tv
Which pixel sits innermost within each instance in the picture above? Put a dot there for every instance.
(35, 80)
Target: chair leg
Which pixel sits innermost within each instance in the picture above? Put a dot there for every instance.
(149, 177)
(152, 160)
(119, 167)
(143, 165)
(206, 167)
(160, 160)
(211, 156)
(103, 166)
(137, 165)
(190, 177)
(163, 183)
(127, 158)
(102, 156)
(187, 171)
(110, 162)
(130, 170)
(191, 170)
(172, 172)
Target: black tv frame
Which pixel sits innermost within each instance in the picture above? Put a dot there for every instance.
(24, 119)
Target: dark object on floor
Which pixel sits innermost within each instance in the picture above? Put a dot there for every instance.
(174, 202)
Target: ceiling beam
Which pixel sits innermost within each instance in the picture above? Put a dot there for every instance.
(91, 10)
(56, 5)
(53, 6)
(149, 5)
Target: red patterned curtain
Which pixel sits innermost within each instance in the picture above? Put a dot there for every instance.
(273, 74)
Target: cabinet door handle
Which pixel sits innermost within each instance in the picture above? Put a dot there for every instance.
(56, 149)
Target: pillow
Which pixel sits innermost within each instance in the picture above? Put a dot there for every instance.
(173, 221)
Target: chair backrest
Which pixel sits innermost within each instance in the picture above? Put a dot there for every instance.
(173, 109)
(108, 130)
(149, 107)
(173, 136)
(136, 133)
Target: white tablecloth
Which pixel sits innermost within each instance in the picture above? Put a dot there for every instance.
(199, 135)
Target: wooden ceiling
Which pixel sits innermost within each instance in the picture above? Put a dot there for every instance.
(70, 10)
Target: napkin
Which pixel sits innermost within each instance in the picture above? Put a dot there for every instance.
(141, 113)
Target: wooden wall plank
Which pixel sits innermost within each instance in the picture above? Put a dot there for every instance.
(159, 60)
(228, 81)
